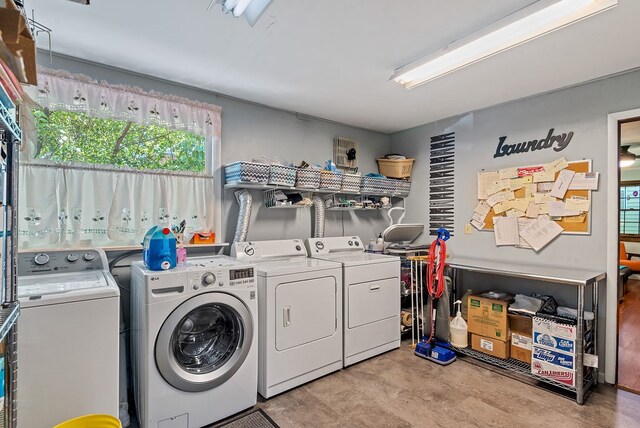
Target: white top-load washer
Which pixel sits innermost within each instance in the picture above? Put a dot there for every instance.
(300, 314)
(68, 337)
(193, 342)
(371, 284)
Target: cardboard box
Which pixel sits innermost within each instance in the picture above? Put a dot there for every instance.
(521, 347)
(521, 324)
(550, 371)
(490, 345)
(488, 317)
(551, 356)
(553, 335)
(26, 48)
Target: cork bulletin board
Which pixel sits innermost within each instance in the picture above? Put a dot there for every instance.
(580, 224)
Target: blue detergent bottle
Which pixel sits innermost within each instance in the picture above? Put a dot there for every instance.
(159, 248)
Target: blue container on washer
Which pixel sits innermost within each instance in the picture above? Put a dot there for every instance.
(159, 248)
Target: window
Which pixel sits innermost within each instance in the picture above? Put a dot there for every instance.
(630, 210)
(65, 136)
(102, 164)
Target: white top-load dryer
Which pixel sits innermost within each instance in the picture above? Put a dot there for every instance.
(193, 342)
(300, 314)
(371, 296)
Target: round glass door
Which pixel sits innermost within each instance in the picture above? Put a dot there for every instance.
(204, 341)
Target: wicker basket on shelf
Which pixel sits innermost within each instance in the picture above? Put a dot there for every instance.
(395, 168)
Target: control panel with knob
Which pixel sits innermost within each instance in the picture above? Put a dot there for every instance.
(61, 261)
(41, 259)
(208, 279)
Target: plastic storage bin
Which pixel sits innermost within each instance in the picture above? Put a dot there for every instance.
(308, 178)
(378, 186)
(395, 168)
(330, 180)
(351, 183)
(402, 187)
(246, 172)
(282, 175)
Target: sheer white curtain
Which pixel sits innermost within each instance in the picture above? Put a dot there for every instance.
(72, 205)
(97, 205)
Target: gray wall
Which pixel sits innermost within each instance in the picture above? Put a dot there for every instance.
(583, 110)
(250, 130)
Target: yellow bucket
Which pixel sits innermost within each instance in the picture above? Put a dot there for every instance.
(91, 421)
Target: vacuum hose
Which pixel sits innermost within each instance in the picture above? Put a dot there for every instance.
(319, 210)
(435, 277)
(245, 200)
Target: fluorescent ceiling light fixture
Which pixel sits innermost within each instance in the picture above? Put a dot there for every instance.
(627, 158)
(251, 9)
(531, 22)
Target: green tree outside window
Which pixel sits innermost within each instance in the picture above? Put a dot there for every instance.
(65, 136)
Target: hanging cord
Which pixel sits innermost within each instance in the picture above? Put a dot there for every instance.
(435, 275)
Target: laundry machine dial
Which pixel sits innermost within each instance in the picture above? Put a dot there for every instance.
(72, 257)
(319, 245)
(208, 279)
(41, 259)
(89, 256)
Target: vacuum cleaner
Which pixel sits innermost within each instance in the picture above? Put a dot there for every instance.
(429, 347)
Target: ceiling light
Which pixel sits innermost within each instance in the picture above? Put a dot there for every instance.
(542, 17)
(251, 9)
(626, 158)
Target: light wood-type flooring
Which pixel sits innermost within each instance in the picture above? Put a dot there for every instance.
(629, 338)
(398, 389)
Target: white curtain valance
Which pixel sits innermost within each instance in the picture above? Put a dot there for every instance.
(61, 90)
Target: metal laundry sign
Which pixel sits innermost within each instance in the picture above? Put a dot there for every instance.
(558, 142)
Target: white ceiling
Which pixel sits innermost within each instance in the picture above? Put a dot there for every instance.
(333, 58)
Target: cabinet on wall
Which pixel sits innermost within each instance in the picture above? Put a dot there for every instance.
(579, 279)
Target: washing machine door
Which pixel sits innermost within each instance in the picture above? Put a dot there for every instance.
(204, 341)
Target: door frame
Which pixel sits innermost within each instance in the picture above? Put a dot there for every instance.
(613, 236)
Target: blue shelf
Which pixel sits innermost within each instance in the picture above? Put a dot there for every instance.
(7, 121)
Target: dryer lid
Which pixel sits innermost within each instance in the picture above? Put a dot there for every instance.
(358, 259)
(293, 265)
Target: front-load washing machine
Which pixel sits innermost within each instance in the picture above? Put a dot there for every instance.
(371, 296)
(194, 342)
(300, 314)
(68, 337)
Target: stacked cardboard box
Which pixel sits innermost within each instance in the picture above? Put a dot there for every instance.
(555, 348)
(521, 337)
(489, 325)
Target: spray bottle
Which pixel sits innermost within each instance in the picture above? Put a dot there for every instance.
(459, 330)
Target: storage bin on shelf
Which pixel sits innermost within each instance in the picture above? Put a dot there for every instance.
(282, 175)
(377, 186)
(402, 187)
(330, 180)
(351, 183)
(395, 168)
(246, 172)
(308, 178)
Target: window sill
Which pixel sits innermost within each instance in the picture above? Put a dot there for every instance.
(120, 248)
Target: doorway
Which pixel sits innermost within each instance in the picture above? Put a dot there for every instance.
(628, 310)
